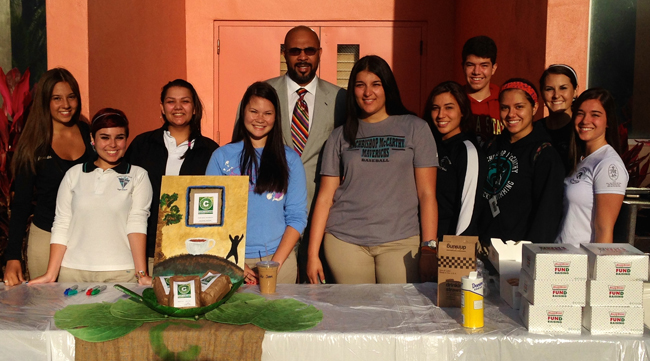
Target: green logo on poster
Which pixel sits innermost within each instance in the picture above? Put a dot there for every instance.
(206, 205)
(184, 291)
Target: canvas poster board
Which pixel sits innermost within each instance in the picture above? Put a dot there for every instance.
(201, 220)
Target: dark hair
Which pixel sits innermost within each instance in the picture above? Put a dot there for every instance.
(560, 69)
(481, 46)
(109, 118)
(272, 171)
(195, 122)
(577, 148)
(394, 105)
(520, 80)
(36, 137)
(456, 90)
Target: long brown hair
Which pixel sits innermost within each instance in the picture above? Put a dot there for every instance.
(36, 138)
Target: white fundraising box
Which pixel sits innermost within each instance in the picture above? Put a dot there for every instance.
(616, 261)
(506, 258)
(613, 320)
(548, 261)
(551, 318)
(615, 293)
(552, 292)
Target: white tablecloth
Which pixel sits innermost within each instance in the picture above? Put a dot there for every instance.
(360, 322)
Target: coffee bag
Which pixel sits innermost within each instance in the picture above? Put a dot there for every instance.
(214, 286)
(185, 291)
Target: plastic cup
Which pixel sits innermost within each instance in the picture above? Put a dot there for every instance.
(268, 272)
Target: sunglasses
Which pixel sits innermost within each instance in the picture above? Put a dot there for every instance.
(308, 51)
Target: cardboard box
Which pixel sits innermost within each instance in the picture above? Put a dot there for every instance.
(548, 261)
(509, 284)
(613, 320)
(616, 261)
(500, 251)
(551, 318)
(614, 293)
(506, 259)
(552, 292)
(456, 258)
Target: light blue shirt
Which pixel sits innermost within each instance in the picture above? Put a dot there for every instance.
(269, 213)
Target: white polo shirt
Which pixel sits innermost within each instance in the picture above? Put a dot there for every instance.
(95, 211)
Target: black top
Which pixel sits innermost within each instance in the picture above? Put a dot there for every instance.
(37, 193)
(149, 152)
(452, 172)
(527, 179)
(561, 140)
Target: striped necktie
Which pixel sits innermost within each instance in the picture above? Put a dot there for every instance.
(300, 122)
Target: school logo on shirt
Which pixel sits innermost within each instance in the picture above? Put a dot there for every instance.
(124, 180)
(377, 149)
(612, 172)
(500, 167)
(578, 176)
(445, 163)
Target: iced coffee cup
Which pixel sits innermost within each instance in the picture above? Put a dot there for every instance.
(268, 272)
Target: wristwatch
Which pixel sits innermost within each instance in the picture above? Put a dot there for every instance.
(430, 243)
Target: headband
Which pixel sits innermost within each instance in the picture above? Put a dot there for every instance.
(105, 115)
(567, 67)
(521, 86)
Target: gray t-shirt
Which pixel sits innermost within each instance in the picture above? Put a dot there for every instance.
(377, 201)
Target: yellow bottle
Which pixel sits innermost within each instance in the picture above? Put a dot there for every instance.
(471, 300)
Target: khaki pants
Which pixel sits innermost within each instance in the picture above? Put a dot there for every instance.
(38, 251)
(391, 262)
(77, 275)
(288, 272)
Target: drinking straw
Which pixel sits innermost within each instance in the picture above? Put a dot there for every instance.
(260, 255)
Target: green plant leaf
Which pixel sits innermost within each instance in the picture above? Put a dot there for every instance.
(238, 312)
(93, 322)
(135, 310)
(278, 315)
(288, 315)
(175, 209)
(243, 297)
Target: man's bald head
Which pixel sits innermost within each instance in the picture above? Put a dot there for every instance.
(299, 31)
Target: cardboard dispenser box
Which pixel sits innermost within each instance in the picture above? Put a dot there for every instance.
(551, 261)
(456, 258)
(615, 293)
(616, 261)
(551, 318)
(506, 259)
(613, 320)
(552, 292)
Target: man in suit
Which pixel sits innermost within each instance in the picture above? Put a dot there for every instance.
(322, 109)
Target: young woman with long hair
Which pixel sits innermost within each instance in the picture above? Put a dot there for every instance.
(523, 189)
(594, 192)
(53, 140)
(378, 174)
(559, 87)
(459, 185)
(277, 195)
(176, 148)
(99, 233)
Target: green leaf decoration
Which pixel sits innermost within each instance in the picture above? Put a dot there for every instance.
(243, 297)
(163, 200)
(134, 310)
(93, 322)
(278, 315)
(175, 209)
(288, 315)
(238, 312)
